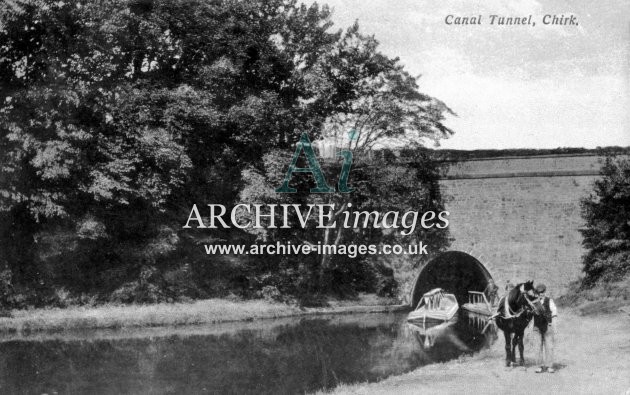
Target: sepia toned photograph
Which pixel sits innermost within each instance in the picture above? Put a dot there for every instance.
(314, 197)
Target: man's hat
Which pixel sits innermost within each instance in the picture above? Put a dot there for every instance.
(540, 288)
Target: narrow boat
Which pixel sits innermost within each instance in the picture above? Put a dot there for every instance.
(435, 305)
(478, 303)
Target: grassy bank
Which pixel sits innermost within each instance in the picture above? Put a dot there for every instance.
(603, 297)
(592, 356)
(198, 312)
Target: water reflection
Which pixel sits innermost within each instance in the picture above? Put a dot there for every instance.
(442, 341)
(275, 357)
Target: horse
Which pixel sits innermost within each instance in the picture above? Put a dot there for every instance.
(515, 311)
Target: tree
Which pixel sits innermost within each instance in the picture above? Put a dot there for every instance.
(377, 99)
(68, 159)
(371, 101)
(378, 105)
(116, 115)
(607, 231)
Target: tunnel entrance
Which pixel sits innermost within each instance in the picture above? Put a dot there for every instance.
(454, 271)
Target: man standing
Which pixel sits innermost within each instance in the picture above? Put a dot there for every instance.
(492, 292)
(545, 324)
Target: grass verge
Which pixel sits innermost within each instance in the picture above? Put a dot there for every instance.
(199, 312)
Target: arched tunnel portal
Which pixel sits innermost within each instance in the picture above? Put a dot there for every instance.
(454, 271)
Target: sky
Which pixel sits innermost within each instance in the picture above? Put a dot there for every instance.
(536, 86)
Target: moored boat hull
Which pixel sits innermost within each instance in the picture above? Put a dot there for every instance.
(435, 306)
(433, 315)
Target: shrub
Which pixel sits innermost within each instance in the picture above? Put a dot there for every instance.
(607, 232)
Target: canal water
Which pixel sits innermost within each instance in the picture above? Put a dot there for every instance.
(265, 357)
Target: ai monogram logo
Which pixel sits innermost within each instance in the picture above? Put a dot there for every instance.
(313, 167)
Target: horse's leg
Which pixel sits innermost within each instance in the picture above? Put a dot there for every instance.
(514, 345)
(508, 348)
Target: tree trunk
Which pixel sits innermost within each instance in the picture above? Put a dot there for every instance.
(324, 265)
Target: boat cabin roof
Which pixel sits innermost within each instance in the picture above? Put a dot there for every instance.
(433, 292)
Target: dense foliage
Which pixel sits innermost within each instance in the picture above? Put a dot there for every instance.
(388, 184)
(116, 115)
(607, 232)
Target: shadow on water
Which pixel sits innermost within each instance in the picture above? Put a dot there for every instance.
(277, 357)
